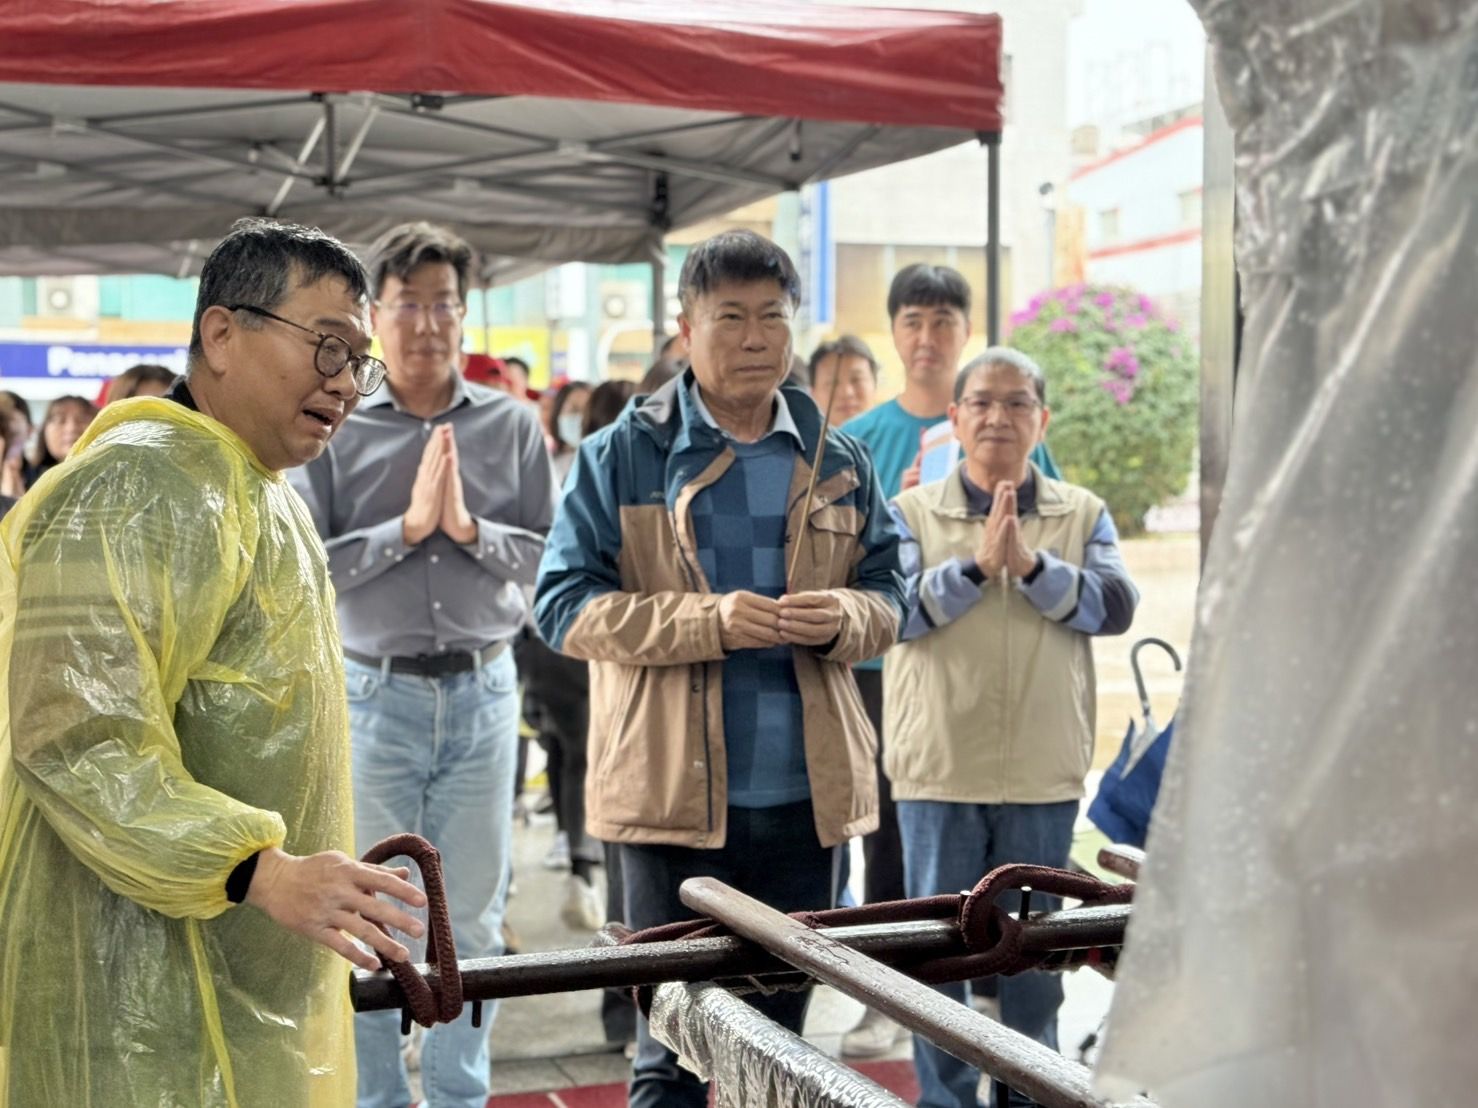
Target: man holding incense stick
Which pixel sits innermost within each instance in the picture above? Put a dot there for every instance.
(723, 559)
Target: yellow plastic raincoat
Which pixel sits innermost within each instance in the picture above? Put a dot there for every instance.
(174, 704)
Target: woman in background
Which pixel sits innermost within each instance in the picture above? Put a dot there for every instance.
(144, 379)
(556, 695)
(566, 420)
(14, 430)
(66, 419)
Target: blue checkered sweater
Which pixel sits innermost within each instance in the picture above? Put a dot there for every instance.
(739, 524)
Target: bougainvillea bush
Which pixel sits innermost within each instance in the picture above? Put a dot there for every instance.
(1122, 386)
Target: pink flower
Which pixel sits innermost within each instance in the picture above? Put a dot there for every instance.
(1146, 305)
(1118, 388)
(1137, 321)
(1123, 361)
(1026, 315)
(1036, 302)
(1062, 323)
(1173, 324)
(1104, 300)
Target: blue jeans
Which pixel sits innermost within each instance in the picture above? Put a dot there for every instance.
(948, 847)
(436, 756)
(770, 853)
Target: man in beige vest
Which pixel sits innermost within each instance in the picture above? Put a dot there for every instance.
(989, 696)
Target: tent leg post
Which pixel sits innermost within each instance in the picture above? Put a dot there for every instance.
(659, 302)
(993, 239)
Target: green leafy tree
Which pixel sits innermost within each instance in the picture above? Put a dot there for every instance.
(1122, 386)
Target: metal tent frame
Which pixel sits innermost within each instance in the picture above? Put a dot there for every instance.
(133, 133)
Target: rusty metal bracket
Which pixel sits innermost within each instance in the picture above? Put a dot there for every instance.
(1069, 938)
(1021, 1063)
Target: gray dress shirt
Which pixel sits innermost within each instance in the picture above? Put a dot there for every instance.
(439, 596)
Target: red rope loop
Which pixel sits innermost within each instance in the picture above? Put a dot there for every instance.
(993, 936)
(440, 1001)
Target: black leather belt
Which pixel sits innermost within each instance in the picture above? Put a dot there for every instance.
(432, 665)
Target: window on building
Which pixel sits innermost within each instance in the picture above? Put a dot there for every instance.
(1190, 208)
(1108, 226)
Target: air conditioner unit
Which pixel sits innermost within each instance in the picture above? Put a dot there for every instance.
(67, 298)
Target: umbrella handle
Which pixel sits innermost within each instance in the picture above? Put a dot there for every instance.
(1144, 696)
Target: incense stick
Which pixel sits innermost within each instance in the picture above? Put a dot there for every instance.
(795, 555)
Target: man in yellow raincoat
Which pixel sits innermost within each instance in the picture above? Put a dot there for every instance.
(175, 906)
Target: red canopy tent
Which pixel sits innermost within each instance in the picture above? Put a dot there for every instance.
(133, 131)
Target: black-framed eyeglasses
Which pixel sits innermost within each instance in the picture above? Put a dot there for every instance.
(333, 353)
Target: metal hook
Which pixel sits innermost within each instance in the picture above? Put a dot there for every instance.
(1144, 696)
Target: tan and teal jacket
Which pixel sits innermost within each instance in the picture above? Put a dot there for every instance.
(620, 585)
(990, 697)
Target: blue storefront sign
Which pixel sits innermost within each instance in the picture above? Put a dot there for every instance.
(82, 362)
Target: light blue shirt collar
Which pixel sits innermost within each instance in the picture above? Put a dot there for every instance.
(781, 421)
(383, 395)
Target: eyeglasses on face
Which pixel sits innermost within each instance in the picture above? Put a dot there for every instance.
(333, 354)
(978, 404)
(442, 312)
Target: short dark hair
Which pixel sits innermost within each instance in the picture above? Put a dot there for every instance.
(605, 405)
(1003, 355)
(126, 384)
(740, 256)
(514, 359)
(928, 286)
(846, 346)
(402, 250)
(659, 373)
(8, 412)
(258, 262)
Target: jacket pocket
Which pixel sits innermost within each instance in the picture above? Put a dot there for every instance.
(608, 726)
(831, 534)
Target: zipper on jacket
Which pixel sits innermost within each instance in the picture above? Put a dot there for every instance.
(1010, 735)
(699, 686)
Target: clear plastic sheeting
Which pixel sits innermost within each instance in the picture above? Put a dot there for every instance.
(1306, 926)
(752, 1061)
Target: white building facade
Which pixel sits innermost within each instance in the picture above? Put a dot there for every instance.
(1141, 212)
